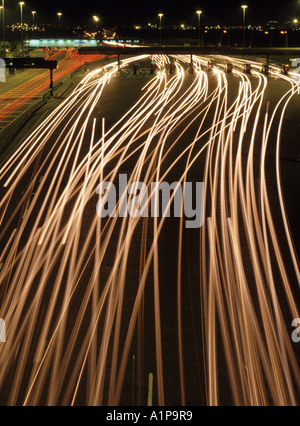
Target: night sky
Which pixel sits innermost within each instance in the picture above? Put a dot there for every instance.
(116, 12)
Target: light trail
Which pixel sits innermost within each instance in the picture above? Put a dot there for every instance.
(69, 333)
(16, 98)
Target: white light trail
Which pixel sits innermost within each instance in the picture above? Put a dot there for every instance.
(67, 333)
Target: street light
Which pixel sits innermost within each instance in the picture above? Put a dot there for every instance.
(33, 16)
(160, 16)
(59, 14)
(96, 20)
(3, 27)
(296, 23)
(228, 37)
(244, 7)
(22, 35)
(199, 12)
(268, 33)
(1, 8)
(285, 33)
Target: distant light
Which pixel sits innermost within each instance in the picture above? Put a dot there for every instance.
(244, 6)
(199, 12)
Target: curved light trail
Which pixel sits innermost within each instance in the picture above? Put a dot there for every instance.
(64, 281)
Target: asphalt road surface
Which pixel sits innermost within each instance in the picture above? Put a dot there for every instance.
(94, 306)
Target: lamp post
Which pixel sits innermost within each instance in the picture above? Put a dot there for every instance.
(160, 16)
(286, 36)
(22, 34)
(244, 7)
(268, 33)
(199, 12)
(1, 9)
(296, 23)
(3, 27)
(33, 16)
(96, 20)
(59, 14)
(226, 32)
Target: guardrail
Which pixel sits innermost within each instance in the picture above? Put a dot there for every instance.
(57, 86)
(76, 71)
(12, 128)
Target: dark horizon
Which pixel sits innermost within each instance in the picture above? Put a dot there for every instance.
(122, 13)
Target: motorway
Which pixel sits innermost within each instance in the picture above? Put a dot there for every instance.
(25, 88)
(94, 306)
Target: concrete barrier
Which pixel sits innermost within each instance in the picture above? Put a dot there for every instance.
(14, 127)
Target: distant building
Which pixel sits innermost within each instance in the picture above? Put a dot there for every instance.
(61, 43)
(273, 25)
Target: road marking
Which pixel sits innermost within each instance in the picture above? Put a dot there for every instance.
(150, 390)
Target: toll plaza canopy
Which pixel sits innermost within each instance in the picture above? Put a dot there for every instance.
(62, 43)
